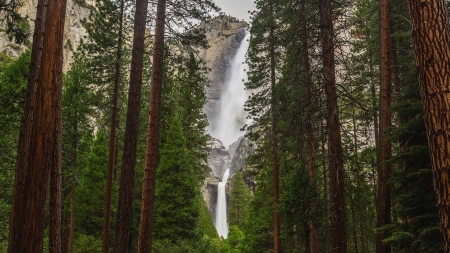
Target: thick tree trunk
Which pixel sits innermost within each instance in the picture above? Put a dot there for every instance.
(151, 154)
(384, 188)
(21, 170)
(112, 136)
(39, 150)
(336, 169)
(313, 235)
(431, 38)
(127, 178)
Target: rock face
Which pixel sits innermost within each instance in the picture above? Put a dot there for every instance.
(243, 150)
(73, 29)
(218, 159)
(224, 34)
(209, 192)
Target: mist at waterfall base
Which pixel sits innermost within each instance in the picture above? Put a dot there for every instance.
(231, 114)
(221, 209)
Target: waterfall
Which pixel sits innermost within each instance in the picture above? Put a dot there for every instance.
(230, 119)
(221, 208)
(231, 115)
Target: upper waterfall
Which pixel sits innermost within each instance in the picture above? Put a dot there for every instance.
(231, 115)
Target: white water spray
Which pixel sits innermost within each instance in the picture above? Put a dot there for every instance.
(221, 208)
(232, 116)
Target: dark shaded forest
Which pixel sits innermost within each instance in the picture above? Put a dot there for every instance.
(348, 116)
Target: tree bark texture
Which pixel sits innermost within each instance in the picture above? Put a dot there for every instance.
(21, 170)
(127, 178)
(313, 236)
(326, 181)
(431, 39)
(384, 169)
(336, 169)
(151, 153)
(112, 136)
(39, 151)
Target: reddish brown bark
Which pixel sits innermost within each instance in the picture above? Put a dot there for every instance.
(112, 136)
(385, 153)
(431, 39)
(39, 152)
(151, 154)
(336, 169)
(127, 178)
(313, 234)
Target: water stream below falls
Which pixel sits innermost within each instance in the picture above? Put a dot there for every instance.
(221, 210)
(230, 119)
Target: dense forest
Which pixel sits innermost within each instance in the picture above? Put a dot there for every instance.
(349, 119)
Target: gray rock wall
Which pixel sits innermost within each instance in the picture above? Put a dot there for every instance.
(73, 30)
(224, 34)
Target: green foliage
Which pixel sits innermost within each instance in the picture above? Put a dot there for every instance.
(206, 224)
(91, 188)
(177, 206)
(87, 244)
(204, 245)
(17, 27)
(240, 198)
(259, 228)
(234, 242)
(189, 90)
(13, 80)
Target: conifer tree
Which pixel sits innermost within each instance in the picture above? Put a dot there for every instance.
(151, 151)
(77, 108)
(429, 21)
(263, 60)
(177, 189)
(17, 27)
(13, 77)
(39, 155)
(127, 176)
(336, 166)
(385, 167)
(239, 202)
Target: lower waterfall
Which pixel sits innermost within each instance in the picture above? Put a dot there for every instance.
(221, 208)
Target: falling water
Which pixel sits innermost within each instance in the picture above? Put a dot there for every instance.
(221, 208)
(231, 117)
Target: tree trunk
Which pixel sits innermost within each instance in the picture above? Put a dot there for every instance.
(334, 134)
(151, 154)
(431, 38)
(325, 188)
(313, 236)
(72, 217)
(131, 132)
(384, 188)
(127, 178)
(276, 169)
(112, 136)
(39, 152)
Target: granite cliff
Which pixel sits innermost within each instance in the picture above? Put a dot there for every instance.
(73, 29)
(224, 34)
